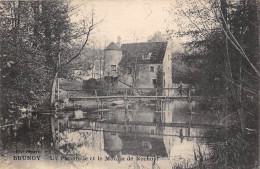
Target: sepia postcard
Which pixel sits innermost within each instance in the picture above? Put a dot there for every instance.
(129, 84)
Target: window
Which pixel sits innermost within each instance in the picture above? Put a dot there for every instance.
(149, 55)
(113, 67)
(154, 81)
(146, 56)
(151, 69)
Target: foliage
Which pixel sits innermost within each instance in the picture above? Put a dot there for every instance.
(89, 60)
(33, 134)
(37, 42)
(157, 37)
(223, 53)
(231, 148)
(130, 64)
(22, 61)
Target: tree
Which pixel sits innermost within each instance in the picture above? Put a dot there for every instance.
(22, 61)
(60, 66)
(36, 38)
(223, 48)
(130, 65)
(157, 37)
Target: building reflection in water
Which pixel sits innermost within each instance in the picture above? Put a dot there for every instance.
(138, 131)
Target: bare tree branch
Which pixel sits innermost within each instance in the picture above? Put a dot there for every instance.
(232, 39)
(90, 29)
(231, 81)
(239, 46)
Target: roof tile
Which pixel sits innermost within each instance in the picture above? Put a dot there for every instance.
(132, 50)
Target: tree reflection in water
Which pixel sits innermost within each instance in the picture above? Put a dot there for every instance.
(118, 136)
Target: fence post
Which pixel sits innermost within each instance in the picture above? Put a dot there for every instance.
(96, 95)
(126, 103)
(189, 96)
(53, 132)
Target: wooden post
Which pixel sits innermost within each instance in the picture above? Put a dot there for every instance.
(53, 131)
(126, 101)
(161, 108)
(124, 95)
(156, 93)
(189, 127)
(58, 79)
(189, 96)
(96, 94)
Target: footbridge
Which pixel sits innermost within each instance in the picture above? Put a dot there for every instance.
(132, 93)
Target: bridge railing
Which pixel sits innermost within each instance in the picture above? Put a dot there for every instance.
(129, 92)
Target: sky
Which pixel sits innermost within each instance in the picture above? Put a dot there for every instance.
(132, 20)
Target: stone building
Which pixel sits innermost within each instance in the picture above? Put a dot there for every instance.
(139, 65)
(146, 65)
(112, 57)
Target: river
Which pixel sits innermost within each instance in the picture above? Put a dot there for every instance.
(112, 134)
(148, 134)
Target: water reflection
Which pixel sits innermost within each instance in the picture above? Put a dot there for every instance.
(170, 130)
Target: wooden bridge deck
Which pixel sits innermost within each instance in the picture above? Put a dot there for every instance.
(128, 93)
(133, 133)
(132, 97)
(136, 123)
(129, 128)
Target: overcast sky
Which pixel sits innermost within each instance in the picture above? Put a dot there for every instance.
(129, 19)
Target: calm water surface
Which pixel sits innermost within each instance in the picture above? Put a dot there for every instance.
(139, 134)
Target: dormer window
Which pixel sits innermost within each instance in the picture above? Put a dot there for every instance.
(146, 56)
(149, 55)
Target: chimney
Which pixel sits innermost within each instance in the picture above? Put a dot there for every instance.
(119, 41)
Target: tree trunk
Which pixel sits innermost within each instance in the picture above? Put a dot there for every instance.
(237, 97)
(53, 89)
(258, 66)
(53, 132)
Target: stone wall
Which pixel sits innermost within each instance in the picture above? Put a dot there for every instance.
(112, 57)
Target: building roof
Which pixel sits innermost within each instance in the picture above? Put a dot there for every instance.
(132, 50)
(112, 46)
